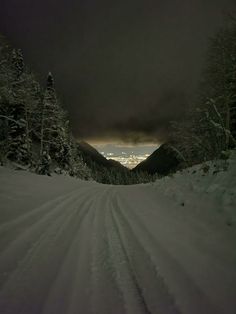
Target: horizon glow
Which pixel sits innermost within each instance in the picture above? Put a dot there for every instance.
(127, 154)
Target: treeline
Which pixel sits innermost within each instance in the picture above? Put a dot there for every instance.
(208, 130)
(117, 176)
(34, 127)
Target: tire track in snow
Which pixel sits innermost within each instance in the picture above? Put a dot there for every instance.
(18, 248)
(105, 293)
(151, 284)
(158, 254)
(11, 229)
(25, 290)
(70, 292)
(123, 273)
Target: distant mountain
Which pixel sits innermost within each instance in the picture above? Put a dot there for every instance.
(163, 161)
(91, 155)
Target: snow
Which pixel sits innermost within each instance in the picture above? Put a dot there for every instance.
(71, 246)
(209, 189)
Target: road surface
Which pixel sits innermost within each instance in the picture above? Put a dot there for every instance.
(113, 249)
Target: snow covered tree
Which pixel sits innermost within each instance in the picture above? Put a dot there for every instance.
(77, 167)
(5, 95)
(44, 166)
(15, 110)
(33, 123)
(56, 138)
(18, 62)
(209, 127)
(219, 84)
(18, 99)
(53, 124)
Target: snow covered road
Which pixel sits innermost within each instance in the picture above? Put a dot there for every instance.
(68, 246)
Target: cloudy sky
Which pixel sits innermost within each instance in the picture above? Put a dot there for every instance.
(124, 69)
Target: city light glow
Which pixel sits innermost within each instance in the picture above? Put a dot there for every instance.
(128, 155)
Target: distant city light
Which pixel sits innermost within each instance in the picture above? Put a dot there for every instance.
(129, 161)
(128, 155)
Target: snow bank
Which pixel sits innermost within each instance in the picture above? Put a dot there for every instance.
(207, 190)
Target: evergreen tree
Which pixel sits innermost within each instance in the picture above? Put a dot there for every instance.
(53, 124)
(18, 135)
(17, 103)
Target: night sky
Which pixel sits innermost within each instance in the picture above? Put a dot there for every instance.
(124, 69)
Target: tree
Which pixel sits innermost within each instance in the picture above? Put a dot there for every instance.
(209, 127)
(219, 84)
(53, 123)
(16, 110)
(18, 99)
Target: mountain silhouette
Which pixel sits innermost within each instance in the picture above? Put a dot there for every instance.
(162, 161)
(91, 155)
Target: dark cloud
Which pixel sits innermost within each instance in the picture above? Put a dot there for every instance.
(124, 69)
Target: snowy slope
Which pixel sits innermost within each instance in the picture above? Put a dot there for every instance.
(69, 246)
(209, 189)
